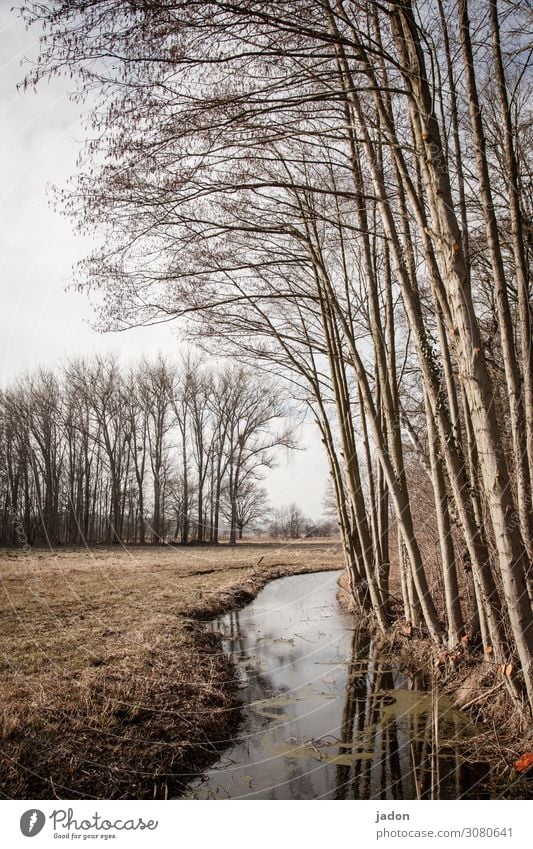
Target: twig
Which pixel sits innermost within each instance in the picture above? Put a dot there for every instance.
(483, 695)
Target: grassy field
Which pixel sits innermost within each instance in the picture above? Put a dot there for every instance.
(110, 685)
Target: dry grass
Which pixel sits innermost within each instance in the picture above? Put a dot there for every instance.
(110, 686)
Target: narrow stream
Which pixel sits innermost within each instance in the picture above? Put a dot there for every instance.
(324, 717)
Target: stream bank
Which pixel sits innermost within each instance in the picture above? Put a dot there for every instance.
(475, 685)
(112, 686)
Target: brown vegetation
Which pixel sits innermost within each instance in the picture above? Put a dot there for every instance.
(110, 686)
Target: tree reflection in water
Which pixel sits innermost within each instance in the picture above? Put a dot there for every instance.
(406, 759)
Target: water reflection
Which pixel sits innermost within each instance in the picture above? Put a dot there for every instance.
(324, 715)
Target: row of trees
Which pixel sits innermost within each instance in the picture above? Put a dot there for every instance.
(95, 453)
(339, 191)
(289, 522)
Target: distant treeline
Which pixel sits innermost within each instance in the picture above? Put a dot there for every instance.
(98, 454)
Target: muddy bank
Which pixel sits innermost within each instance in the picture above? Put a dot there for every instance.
(122, 693)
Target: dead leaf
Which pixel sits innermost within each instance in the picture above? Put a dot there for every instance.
(524, 763)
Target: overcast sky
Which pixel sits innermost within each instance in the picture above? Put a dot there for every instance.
(42, 323)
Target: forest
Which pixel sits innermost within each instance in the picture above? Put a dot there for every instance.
(339, 193)
(96, 454)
